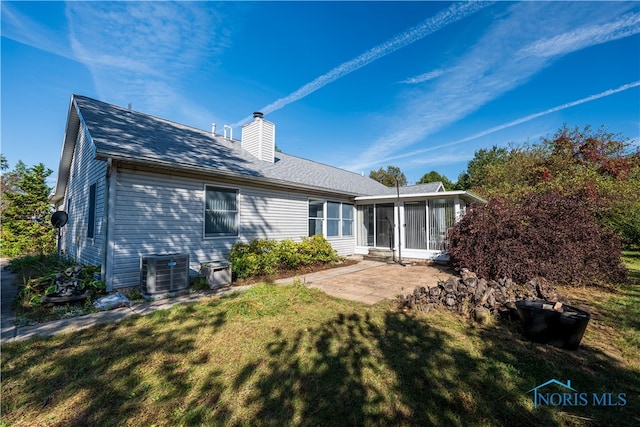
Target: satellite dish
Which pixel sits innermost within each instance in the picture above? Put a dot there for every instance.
(59, 219)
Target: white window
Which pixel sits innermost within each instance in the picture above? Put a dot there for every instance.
(333, 219)
(339, 218)
(347, 220)
(221, 212)
(316, 216)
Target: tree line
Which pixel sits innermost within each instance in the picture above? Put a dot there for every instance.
(603, 166)
(598, 168)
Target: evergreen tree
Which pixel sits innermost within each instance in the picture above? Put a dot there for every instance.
(26, 212)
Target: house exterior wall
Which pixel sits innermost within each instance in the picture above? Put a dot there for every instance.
(85, 171)
(162, 213)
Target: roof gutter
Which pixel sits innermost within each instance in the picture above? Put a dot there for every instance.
(437, 194)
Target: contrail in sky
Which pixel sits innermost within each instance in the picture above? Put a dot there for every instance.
(515, 122)
(429, 26)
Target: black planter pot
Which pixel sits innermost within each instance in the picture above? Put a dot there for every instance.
(561, 328)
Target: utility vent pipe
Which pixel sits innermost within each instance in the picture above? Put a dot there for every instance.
(213, 128)
(230, 131)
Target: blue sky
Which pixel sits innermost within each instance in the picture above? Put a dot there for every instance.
(359, 85)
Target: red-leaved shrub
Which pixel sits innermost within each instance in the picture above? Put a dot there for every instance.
(551, 235)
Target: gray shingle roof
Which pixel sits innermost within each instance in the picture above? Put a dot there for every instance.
(137, 137)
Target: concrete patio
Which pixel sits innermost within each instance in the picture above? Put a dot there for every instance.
(371, 281)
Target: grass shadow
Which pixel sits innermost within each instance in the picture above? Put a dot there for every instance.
(279, 355)
(103, 374)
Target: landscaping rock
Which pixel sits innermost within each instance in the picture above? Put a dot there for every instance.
(469, 278)
(469, 295)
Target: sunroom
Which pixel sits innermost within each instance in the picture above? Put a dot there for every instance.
(413, 226)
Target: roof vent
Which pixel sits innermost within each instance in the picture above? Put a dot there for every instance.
(258, 115)
(225, 128)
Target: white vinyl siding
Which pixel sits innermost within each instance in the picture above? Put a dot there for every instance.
(85, 172)
(164, 214)
(258, 138)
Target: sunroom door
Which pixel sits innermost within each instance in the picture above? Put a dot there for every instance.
(366, 225)
(384, 225)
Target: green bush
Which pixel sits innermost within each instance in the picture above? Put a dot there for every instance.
(316, 249)
(266, 257)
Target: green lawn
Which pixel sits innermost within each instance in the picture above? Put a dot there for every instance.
(289, 355)
(632, 262)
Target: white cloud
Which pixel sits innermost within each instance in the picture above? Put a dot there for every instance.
(491, 68)
(424, 77)
(625, 26)
(440, 159)
(20, 28)
(420, 161)
(140, 51)
(135, 51)
(430, 25)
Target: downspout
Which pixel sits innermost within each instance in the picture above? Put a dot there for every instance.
(399, 222)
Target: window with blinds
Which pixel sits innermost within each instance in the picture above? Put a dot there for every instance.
(221, 212)
(415, 219)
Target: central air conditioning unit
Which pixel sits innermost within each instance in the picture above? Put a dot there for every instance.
(164, 274)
